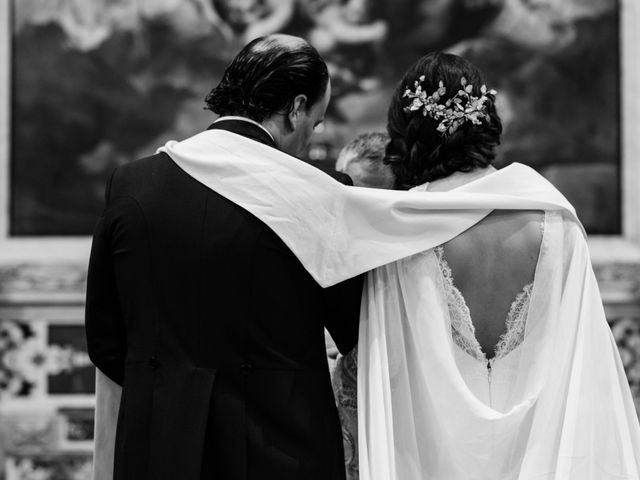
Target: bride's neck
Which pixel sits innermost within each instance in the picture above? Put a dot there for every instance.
(458, 179)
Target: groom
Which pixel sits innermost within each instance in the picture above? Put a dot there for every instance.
(210, 324)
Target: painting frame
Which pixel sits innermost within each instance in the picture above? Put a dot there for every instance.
(16, 249)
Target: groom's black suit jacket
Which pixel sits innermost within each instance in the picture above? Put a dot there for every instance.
(215, 331)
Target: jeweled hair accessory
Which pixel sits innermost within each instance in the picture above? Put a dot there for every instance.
(460, 108)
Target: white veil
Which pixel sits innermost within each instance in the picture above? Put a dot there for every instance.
(569, 415)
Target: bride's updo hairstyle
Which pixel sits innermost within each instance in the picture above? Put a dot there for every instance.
(418, 150)
(267, 75)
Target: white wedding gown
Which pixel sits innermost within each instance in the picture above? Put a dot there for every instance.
(488, 379)
(552, 404)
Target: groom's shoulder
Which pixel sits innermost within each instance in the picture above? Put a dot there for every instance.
(143, 166)
(135, 174)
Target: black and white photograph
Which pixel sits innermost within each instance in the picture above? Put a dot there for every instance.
(319, 240)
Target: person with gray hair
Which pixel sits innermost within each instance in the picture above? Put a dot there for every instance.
(362, 160)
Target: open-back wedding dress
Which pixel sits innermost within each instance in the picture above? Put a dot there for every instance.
(488, 378)
(550, 405)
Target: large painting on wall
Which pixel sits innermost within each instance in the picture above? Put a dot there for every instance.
(99, 83)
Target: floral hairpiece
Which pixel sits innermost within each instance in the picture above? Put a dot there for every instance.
(462, 107)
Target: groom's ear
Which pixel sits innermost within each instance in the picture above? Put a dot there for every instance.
(298, 108)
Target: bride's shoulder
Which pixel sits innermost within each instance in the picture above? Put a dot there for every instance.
(507, 234)
(515, 229)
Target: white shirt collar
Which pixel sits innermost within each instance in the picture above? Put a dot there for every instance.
(245, 119)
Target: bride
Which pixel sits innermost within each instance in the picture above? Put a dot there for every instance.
(487, 357)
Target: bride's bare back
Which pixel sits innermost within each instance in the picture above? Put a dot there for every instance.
(491, 263)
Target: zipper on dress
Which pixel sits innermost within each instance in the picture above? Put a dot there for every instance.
(489, 373)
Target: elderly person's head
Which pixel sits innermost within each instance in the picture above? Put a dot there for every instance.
(362, 160)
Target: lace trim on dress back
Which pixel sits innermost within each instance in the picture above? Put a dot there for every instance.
(463, 331)
(516, 323)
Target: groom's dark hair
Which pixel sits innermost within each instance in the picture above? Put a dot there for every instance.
(265, 77)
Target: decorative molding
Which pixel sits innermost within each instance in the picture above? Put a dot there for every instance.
(618, 282)
(29, 358)
(626, 331)
(5, 115)
(51, 466)
(627, 273)
(30, 431)
(630, 118)
(43, 283)
(65, 282)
